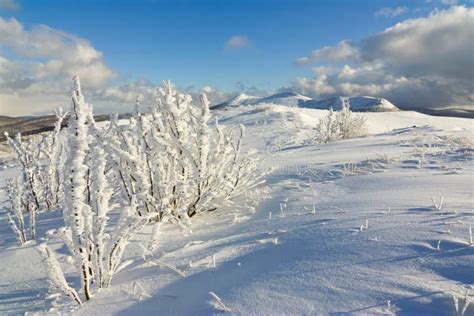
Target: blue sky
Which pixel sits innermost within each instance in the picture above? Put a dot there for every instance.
(187, 41)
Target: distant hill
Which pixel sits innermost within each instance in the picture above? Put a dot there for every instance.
(453, 112)
(5, 120)
(357, 104)
(35, 124)
(360, 103)
(285, 98)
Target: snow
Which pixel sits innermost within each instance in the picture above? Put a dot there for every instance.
(296, 260)
(286, 98)
(240, 99)
(360, 103)
(292, 99)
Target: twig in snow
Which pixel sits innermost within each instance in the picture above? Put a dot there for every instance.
(282, 213)
(461, 304)
(471, 240)
(437, 205)
(212, 262)
(193, 243)
(268, 241)
(217, 303)
(390, 308)
(159, 262)
(139, 291)
(364, 226)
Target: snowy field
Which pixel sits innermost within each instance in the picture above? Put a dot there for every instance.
(344, 228)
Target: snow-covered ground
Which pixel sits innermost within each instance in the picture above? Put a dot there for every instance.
(338, 228)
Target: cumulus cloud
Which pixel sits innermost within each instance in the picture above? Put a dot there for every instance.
(343, 51)
(424, 62)
(238, 41)
(127, 93)
(11, 5)
(37, 65)
(121, 98)
(41, 61)
(214, 94)
(391, 12)
(51, 53)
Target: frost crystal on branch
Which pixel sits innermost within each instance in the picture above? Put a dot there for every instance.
(169, 164)
(340, 125)
(38, 187)
(95, 241)
(55, 273)
(175, 162)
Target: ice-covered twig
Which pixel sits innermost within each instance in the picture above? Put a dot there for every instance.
(437, 205)
(20, 236)
(139, 291)
(164, 264)
(218, 303)
(212, 262)
(461, 304)
(55, 273)
(471, 239)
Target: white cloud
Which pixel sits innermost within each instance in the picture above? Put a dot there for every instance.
(52, 53)
(238, 41)
(341, 52)
(42, 61)
(127, 93)
(391, 12)
(11, 5)
(37, 65)
(214, 95)
(121, 98)
(424, 62)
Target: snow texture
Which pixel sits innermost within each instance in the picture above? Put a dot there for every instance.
(346, 227)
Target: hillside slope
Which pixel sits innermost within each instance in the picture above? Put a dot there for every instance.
(339, 228)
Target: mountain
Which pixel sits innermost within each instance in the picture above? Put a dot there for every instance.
(241, 99)
(292, 99)
(359, 104)
(284, 98)
(287, 98)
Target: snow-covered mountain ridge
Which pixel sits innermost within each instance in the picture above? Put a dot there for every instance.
(292, 99)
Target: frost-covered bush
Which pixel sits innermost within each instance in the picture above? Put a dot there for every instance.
(350, 125)
(166, 165)
(18, 211)
(39, 185)
(327, 129)
(340, 125)
(175, 162)
(95, 233)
